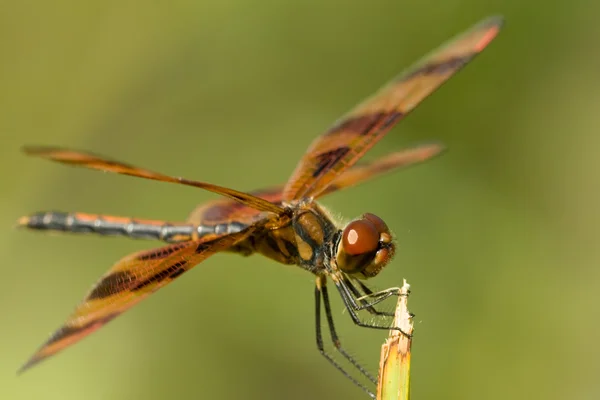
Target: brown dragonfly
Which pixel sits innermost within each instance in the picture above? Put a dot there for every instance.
(283, 223)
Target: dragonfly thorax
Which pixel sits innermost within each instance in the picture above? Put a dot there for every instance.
(365, 247)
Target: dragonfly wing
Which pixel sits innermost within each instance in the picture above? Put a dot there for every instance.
(93, 161)
(226, 211)
(354, 134)
(129, 281)
(363, 172)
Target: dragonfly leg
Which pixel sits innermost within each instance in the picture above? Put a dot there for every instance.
(321, 291)
(354, 304)
(370, 307)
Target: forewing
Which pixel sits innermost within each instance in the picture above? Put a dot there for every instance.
(355, 133)
(360, 173)
(128, 282)
(226, 211)
(93, 161)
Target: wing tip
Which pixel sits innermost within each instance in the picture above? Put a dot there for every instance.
(30, 149)
(429, 149)
(491, 26)
(436, 146)
(36, 150)
(34, 360)
(497, 20)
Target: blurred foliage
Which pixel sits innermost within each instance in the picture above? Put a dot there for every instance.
(497, 238)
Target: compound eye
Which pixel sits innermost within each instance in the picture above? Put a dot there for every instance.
(360, 237)
(378, 222)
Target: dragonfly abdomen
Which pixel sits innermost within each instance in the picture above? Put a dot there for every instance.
(109, 226)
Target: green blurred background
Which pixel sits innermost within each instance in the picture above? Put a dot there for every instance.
(498, 237)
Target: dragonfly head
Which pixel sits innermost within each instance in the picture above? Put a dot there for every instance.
(366, 246)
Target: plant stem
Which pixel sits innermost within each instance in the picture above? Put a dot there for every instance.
(394, 363)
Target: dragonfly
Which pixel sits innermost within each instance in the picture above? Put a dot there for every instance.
(283, 223)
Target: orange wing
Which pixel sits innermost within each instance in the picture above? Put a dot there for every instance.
(225, 211)
(220, 217)
(360, 173)
(92, 161)
(348, 140)
(129, 281)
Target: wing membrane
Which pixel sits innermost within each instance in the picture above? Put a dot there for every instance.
(360, 173)
(226, 211)
(128, 282)
(92, 161)
(355, 133)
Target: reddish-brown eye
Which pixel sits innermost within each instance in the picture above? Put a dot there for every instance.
(360, 237)
(378, 222)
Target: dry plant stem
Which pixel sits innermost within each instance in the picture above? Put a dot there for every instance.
(394, 363)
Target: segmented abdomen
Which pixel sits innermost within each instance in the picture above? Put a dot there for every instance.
(122, 226)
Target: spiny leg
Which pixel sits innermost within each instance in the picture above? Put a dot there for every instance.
(380, 295)
(321, 289)
(335, 339)
(353, 306)
(368, 292)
